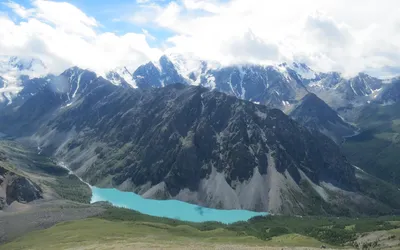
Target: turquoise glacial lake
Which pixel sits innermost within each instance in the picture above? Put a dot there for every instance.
(170, 208)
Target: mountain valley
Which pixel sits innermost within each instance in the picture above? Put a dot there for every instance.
(279, 139)
(207, 148)
(199, 124)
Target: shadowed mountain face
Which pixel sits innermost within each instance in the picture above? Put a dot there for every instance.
(315, 114)
(189, 143)
(14, 186)
(193, 126)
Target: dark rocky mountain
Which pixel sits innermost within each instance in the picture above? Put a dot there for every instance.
(150, 76)
(315, 114)
(189, 143)
(43, 96)
(117, 79)
(339, 92)
(30, 88)
(121, 76)
(279, 86)
(360, 86)
(328, 80)
(15, 187)
(264, 85)
(269, 85)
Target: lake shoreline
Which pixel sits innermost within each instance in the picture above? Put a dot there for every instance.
(173, 209)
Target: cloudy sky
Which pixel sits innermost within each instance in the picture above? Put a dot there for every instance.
(344, 35)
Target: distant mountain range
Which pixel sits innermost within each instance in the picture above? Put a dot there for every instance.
(204, 144)
(280, 86)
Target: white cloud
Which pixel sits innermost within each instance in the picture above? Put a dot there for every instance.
(206, 5)
(148, 35)
(250, 48)
(18, 9)
(65, 16)
(348, 36)
(62, 36)
(328, 34)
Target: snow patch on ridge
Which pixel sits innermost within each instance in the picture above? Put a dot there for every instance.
(303, 71)
(77, 84)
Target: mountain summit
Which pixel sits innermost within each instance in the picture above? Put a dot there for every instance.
(315, 114)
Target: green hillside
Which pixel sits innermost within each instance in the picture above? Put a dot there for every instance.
(119, 228)
(376, 149)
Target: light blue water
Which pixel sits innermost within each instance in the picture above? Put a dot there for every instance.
(170, 208)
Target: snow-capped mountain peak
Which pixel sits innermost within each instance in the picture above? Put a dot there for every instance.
(122, 76)
(191, 67)
(14, 71)
(32, 67)
(303, 70)
(278, 85)
(12, 68)
(26, 63)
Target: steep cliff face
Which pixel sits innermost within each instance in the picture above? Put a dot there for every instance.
(14, 187)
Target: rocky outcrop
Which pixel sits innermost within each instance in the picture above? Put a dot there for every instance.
(14, 187)
(23, 190)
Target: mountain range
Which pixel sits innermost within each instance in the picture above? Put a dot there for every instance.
(208, 146)
(195, 144)
(280, 86)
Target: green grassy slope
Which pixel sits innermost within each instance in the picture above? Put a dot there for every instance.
(119, 228)
(377, 148)
(95, 233)
(330, 230)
